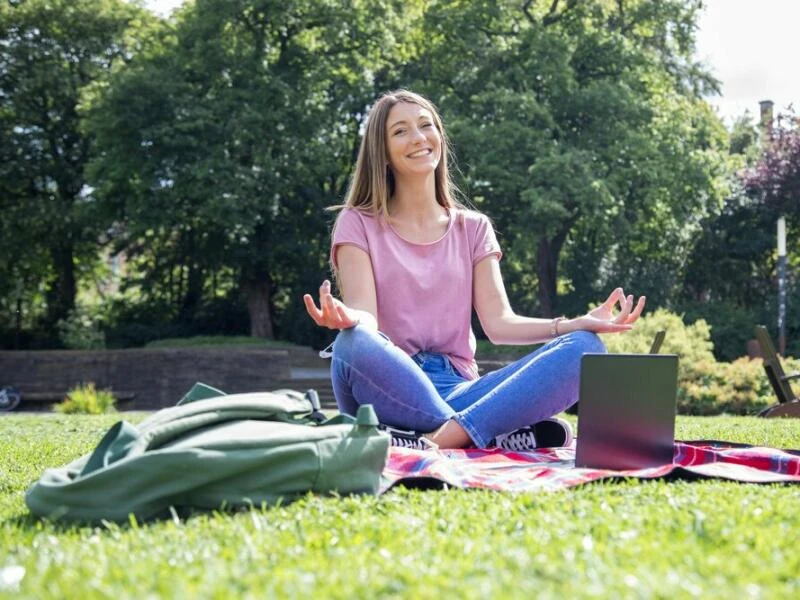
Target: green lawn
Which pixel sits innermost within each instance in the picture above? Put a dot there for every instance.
(633, 539)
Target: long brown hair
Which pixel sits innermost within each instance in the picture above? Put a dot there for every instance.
(372, 183)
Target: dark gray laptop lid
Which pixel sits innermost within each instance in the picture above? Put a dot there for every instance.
(626, 414)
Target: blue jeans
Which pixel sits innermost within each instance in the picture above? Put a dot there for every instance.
(423, 391)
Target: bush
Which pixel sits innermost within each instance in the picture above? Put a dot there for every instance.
(692, 343)
(731, 326)
(86, 399)
(705, 386)
(80, 330)
(739, 388)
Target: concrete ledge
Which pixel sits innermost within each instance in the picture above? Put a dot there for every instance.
(149, 378)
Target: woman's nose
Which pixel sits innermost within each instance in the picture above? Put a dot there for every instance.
(417, 134)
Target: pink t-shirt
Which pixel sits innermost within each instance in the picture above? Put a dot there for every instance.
(424, 291)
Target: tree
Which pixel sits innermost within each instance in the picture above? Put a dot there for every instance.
(744, 138)
(775, 179)
(729, 279)
(218, 153)
(52, 50)
(581, 130)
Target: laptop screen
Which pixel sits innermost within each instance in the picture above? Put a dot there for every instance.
(626, 414)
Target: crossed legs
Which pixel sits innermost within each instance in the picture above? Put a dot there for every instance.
(367, 368)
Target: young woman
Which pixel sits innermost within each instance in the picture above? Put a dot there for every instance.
(411, 262)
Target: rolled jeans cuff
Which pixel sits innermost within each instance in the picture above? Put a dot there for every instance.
(472, 432)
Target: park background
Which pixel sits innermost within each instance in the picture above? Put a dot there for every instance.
(167, 176)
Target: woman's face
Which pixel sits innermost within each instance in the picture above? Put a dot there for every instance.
(413, 144)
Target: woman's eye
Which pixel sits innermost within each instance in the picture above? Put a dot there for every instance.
(398, 131)
(427, 124)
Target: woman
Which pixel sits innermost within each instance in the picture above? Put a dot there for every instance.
(411, 263)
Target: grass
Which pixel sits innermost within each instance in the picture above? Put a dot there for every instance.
(631, 539)
(217, 340)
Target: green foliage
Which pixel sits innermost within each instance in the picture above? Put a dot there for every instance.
(207, 146)
(219, 149)
(582, 133)
(691, 343)
(701, 538)
(733, 261)
(81, 330)
(85, 399)
(216, 340)
(52, 50)
(731, 325)
(705, 386)
(739, 388)
(744, 138)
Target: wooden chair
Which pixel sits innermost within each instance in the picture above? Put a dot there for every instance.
(788, 403)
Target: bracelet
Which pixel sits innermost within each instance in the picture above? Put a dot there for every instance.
(554, 326)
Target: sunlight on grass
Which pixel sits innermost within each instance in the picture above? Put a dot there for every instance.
(629, 539)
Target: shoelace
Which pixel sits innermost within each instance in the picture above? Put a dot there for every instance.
(420, 443)
(522, 440)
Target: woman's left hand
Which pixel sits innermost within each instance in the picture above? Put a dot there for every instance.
(603, 320)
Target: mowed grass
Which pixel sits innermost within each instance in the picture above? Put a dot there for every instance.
(631, 539)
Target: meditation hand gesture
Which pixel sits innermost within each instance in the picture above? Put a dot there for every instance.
(332, 312)
(603, 320)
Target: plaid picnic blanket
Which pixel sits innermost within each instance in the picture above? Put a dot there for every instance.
(550, 469)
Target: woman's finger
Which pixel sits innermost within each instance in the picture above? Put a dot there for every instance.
(612, 299)
(345, 318)
(324, 292)
(625, 309)
(636, 311)
(617, 297)
(312, 309)
(330, 304)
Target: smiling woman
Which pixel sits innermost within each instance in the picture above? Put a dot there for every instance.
(414, 144)
(412, 262)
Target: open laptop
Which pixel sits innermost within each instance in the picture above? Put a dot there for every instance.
(626, 411)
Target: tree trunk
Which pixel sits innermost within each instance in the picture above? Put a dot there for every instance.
(62, 290)
(258, 293)
(547, 255)
(193, 295)
(546, 269)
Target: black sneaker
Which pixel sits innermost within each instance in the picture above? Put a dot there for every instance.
(404, 438)
(550, 433)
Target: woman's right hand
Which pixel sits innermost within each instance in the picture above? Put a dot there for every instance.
(332, 312)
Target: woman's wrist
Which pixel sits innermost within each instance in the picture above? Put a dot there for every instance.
(556, 326)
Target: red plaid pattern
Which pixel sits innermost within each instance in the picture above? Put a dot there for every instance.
(554, 468)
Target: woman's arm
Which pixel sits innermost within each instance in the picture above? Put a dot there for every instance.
(357, 283)
(503, 326)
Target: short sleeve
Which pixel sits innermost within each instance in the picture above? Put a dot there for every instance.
(348, 230)
(485, 241)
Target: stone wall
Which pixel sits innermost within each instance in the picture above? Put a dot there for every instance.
(142, 378)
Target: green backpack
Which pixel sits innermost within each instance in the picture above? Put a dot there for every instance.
(216, 451)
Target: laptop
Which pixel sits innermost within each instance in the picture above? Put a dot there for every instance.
(626, 411)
